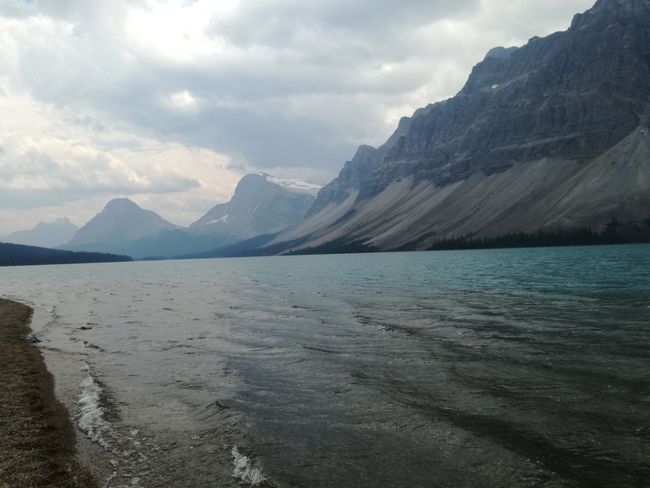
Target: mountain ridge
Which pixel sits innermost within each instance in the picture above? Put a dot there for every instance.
(496, 158)
(262, 204)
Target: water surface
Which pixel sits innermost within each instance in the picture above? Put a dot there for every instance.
(502, 368)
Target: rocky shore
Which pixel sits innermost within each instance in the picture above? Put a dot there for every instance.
(37, 438)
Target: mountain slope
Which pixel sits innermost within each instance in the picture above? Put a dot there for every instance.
(261, 205)
(550, 135)
(44, 234)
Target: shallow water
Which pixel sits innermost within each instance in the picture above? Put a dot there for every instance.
(502, 368)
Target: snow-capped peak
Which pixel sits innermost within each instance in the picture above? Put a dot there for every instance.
(295, 185)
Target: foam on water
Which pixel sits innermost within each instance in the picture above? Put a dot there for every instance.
(245, 471)
(91, 414)
(127, 461)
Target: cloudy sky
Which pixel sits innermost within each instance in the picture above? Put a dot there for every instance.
(170, 102)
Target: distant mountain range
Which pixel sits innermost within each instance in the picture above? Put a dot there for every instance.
(45, 234)
(261, 204)
(547, 139)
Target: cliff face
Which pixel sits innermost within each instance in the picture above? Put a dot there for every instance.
(355, 174)
(358, 172)
(538, 138)
(572, 95)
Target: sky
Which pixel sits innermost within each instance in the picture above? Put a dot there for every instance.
(170, 102)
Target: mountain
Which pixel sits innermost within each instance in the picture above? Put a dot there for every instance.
(45, 234)
(549, 137)
(117, 227)
(261, 204)
(18, 255)
(121, 219)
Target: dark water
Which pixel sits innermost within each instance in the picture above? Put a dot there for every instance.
(506, 368)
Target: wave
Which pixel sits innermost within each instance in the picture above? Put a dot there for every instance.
(246, 472)
(91, 413)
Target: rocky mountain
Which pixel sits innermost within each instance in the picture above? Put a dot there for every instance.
(44, 234)
(552, 135)
(121, 223)
(261, 204)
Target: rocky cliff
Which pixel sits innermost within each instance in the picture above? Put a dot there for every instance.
(550, 135)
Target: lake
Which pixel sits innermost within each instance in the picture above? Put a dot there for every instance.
(492, 368)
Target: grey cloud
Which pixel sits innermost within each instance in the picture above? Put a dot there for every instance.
(28, 199)
(250, 104)
(32, 199)
(78, 171)
(302, 82)
(15, 9)
(89, 122)
(281, 23)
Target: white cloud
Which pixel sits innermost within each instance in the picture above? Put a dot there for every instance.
(53, 158)
(183, 100)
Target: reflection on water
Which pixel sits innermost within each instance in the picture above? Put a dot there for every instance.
(510, 368)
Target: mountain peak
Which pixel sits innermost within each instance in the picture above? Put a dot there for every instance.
(121, 204)
(120, 220)
(500, 52)
(607, 12)
(256, 181)
(261, 204)
(633, 6)
(294, 185)
(62, 221)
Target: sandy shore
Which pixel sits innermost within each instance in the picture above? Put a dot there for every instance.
(37, 438)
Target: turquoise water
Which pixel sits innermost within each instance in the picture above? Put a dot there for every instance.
(499, 368)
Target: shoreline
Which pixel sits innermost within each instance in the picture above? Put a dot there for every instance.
(37, 436)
